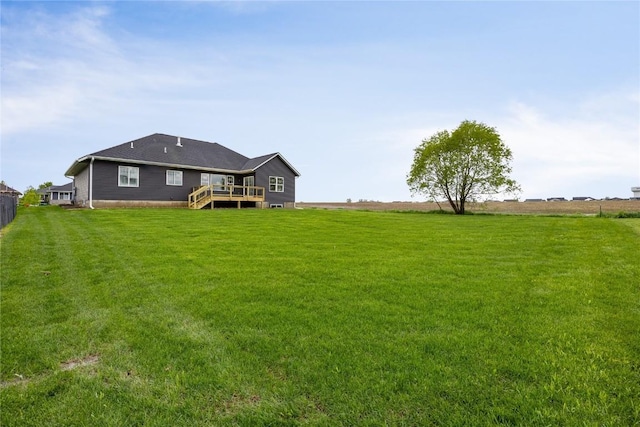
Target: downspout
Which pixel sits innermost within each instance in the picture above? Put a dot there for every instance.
(91, 183)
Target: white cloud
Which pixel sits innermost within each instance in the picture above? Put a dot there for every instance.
(69, 66)
(43, 79)
(581, 150)
(80, 79)
(38, 108)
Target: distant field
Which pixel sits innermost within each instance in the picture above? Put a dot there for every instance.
(563, 207)
(158, 317)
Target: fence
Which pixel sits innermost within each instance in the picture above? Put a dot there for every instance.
(8, 209)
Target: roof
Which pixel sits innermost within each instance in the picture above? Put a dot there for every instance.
(57, 188)
(6, 189)
(167, 150)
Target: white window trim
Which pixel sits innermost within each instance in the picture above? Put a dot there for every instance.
(129, 169)
(248, 182)
(278, 182)
(174, 173)
(205, 179)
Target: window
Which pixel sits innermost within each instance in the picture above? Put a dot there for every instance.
(174, 177)
(128, 176)
(249, 182)
(213, 179)
(276, 184)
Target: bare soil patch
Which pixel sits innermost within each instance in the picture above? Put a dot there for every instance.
(76, 363)
(17, 380)
(68, 365)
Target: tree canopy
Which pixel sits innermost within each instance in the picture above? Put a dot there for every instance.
(30, 197)
(466, 164)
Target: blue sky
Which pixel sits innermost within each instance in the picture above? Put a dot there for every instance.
(344, 90)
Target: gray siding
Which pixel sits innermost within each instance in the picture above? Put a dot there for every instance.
(81, 184)
(276, 167)
(152, 183)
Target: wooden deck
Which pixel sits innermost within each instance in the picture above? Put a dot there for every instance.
(209, 194)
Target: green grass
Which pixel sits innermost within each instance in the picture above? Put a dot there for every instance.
(313, 317)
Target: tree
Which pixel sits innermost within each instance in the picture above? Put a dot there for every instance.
(45, 185)
(466, 164)
(30, 197)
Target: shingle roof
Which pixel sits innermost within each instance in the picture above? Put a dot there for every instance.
(258, 161)
(171, 150)
(159, 148)
(6, 189)
(65, 187)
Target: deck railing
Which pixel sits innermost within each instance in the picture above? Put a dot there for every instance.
(205, 194)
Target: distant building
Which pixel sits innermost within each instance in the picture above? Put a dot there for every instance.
(5, 190)
(636, 192)
(57, 194)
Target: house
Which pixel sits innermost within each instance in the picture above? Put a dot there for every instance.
(56, 194)
(165, 170)
(5, 190)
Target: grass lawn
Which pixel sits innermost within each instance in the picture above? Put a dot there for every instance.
(158, 317)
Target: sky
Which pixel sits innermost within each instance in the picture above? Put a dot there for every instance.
(345, 91)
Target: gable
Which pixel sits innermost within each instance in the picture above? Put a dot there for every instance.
(258, 162)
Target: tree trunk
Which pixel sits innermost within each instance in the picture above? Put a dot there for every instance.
(454, 206)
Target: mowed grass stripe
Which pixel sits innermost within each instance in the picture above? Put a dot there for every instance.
(318, 317)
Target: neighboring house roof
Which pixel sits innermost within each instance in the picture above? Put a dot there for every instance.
(57, 188)
(6, 189)
(173, 151)
(47, 191)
